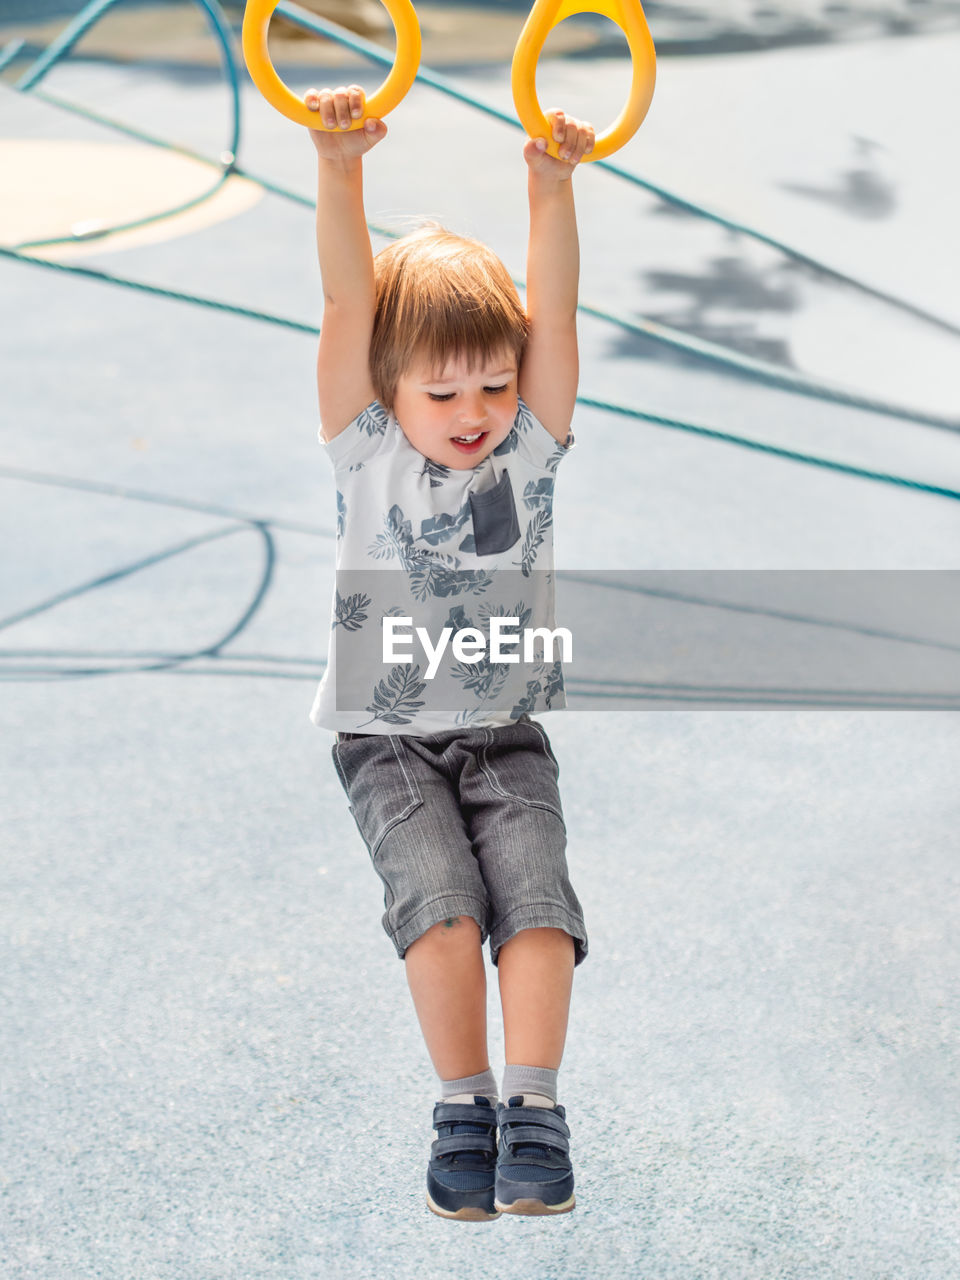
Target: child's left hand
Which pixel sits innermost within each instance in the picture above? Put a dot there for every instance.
(576, 139)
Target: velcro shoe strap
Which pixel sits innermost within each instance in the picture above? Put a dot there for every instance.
(461, 1142)
(463, 1113)
(535, 1133)
(544, 1116)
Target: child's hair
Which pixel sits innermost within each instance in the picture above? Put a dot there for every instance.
(440, 296)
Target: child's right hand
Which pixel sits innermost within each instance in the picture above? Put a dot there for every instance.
(337, 109)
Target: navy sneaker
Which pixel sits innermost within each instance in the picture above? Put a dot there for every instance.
(462, 1160)
(533, 1174)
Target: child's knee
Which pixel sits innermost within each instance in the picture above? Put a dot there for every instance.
(455, 928)
(452, 931)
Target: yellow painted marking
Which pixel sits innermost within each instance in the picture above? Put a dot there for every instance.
(60, 188)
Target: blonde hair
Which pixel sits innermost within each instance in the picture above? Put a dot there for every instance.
(440, 296)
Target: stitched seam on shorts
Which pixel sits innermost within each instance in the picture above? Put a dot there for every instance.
(339, 766)
(547, 751)
(574, 926)
(415, 802)
(403, 768)
(512, 795)
(553, 906)
(394, 822)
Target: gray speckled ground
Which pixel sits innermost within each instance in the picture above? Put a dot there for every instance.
(198, 1001)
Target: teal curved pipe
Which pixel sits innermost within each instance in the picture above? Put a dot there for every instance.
(90, 15)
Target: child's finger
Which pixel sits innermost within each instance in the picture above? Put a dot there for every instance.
(568, 143)
(327, 113)
(341, 102)
(356, 101)
(558, 123)
(584, 143)
(374, 131)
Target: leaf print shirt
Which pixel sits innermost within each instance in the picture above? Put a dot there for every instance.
(443, 549)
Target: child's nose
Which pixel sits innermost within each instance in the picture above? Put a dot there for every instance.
(473, 409)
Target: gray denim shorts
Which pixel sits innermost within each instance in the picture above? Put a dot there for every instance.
(463, 822)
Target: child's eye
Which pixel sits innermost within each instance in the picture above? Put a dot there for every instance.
(495, 391)
(434, 395)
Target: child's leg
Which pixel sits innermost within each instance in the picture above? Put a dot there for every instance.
(537, 931)
(535, 969)
(447, 980)
(404, 799)
(534, 1174)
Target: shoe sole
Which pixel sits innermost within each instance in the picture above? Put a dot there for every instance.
(469, 1213)
(537, 1207)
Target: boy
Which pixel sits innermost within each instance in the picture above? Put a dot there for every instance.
(446, 409)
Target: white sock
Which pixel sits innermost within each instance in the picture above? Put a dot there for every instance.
(536, 1085)
(536, 1100)
(464, 1088)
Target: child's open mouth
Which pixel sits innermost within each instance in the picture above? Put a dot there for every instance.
(471, 443)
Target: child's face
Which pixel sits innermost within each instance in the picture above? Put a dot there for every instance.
(460, 417)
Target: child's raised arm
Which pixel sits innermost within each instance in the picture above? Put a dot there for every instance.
(344, 386)
(549, 372)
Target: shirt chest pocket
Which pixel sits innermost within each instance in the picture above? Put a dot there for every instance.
(495, 524)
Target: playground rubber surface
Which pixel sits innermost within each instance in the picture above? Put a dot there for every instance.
(211, 1066)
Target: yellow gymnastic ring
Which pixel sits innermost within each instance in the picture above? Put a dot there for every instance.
(545, 15)
(256, 20)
